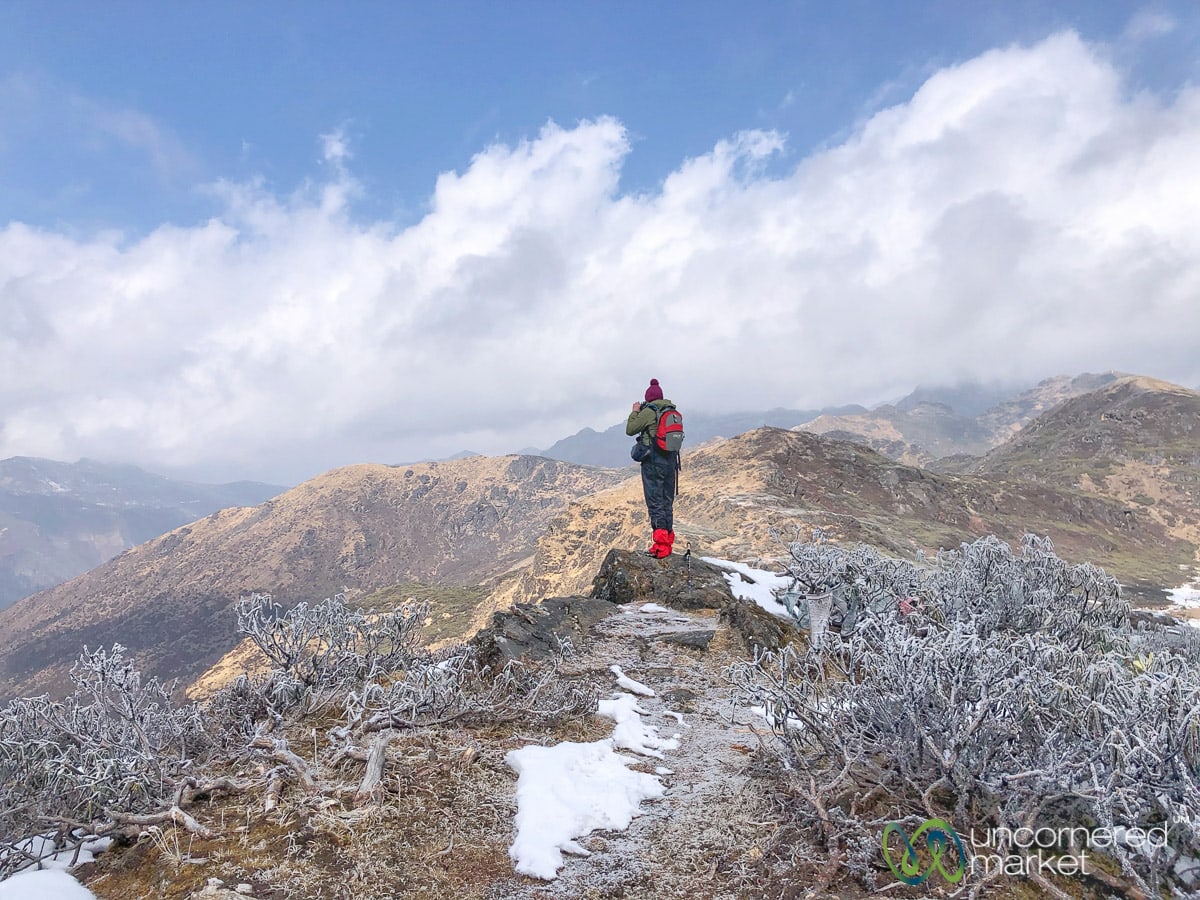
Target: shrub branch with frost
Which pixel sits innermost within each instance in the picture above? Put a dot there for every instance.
(120, 756)
(116, 748)
(994, 689)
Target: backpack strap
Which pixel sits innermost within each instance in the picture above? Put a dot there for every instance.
(658, 414)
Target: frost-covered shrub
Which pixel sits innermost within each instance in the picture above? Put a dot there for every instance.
(331, 644)
(238, 711)
(860, 579)
(991, 689)
(117, 744)
(373, 666)
(120, 756)
(457, 687)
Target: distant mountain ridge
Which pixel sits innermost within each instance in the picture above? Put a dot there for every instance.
(932, 424)
(928, 424)
(610, 447)
(59, 519)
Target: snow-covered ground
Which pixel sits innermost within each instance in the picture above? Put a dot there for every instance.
(41, 847)
(652, 608)
(624, 681)
(48, 884)
(567, 791)
(570, 790)
(757, 585)
(52, 882)
(709, 802)
(1185, 597)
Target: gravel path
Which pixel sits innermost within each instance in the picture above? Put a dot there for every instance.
(694, 841)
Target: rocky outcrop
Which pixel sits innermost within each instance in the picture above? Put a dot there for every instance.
(680, 581)
(537, 631)
(758, 628)
(690, 640)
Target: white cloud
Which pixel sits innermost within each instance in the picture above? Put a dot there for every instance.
(164, 151)
(335, 147)
(1150, 23)
(46, 113)
(1022, 214)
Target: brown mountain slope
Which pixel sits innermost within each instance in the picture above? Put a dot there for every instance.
(734, 492)
(371, 527)
(1136, 440)
(917, 432)
(1005, 419)
(59, 519)
(362, 528)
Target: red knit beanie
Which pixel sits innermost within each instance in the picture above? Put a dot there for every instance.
(654, 392)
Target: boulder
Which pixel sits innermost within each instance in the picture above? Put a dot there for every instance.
(536, 631)
(679, 581)
(759, 629)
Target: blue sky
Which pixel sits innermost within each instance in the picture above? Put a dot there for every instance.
(118, 114)
(263, 239)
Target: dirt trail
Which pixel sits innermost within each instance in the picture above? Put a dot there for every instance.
(697, 840)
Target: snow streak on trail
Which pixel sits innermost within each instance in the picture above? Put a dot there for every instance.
(703, 820)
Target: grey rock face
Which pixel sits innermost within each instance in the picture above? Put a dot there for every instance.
(692, 640)
(536, 631)
(530, 631)
(677, 581)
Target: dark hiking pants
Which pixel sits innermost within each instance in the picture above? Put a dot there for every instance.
(658, 484)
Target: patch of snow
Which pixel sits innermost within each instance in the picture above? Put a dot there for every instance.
(652, 608)
(41, 847)
(629, 684)
(663, 770)
(631, 733)
(1185, 597)
(678, 717)
(756, 585)
(773, 721)
(47, 884)
(569, 790)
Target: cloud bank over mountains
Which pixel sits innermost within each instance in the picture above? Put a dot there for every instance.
(1025, 213)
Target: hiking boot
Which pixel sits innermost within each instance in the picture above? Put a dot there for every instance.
(662, 544)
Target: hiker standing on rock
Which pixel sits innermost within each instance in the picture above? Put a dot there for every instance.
(659, 430)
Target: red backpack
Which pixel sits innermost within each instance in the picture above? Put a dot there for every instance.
(669, 435)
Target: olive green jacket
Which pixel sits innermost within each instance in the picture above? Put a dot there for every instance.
(641, 421)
